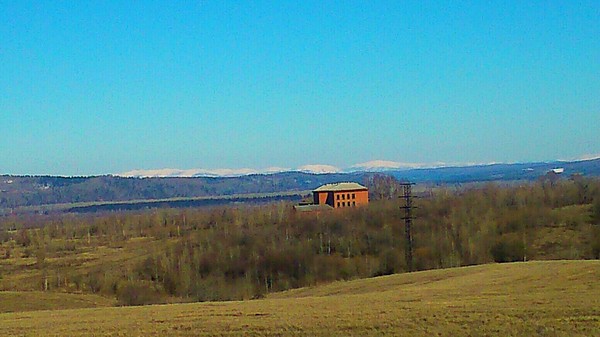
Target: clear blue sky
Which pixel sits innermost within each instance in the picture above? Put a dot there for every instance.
(104, 87)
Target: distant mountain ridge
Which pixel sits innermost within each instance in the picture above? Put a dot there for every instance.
(19, 191)
(225, 172)
(370, 166)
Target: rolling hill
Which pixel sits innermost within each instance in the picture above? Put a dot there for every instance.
(551, 298)
(23, 191)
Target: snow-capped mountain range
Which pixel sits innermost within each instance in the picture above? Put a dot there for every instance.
(371, 166)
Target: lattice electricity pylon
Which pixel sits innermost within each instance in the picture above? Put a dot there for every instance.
(408, 217)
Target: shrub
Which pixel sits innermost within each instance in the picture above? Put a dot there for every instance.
(22, 238)
(596, 211)
(137, 293)
(508, 248)
(596, 242)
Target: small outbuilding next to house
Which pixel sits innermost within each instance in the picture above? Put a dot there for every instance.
(340, 195)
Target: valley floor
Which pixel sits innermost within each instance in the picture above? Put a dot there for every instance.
(550, 298)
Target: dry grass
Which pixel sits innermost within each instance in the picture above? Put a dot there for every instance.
(22, 274)
(559, 298)
(13, 301)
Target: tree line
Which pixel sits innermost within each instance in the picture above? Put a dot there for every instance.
(45, 190)
(229, 253)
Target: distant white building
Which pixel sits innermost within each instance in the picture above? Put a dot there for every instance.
(558, 170)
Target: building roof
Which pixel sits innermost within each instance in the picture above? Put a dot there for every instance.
(312, 208)
(338, 187)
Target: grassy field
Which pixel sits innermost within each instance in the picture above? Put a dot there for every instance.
(552, 298)
(18, 301)
(22, 274)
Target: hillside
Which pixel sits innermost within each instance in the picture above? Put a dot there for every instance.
(20, 191)
(18, 301)
(499, 172)
(243, 252)
(558, 298)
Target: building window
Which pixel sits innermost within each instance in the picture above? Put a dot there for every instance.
(338, 197)
(354, 203)
(348, 196)
(338, 204)
(353, 196)
(343, 197)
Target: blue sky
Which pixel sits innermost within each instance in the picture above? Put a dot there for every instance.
(104, 87)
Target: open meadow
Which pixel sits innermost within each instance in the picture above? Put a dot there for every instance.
(268, 271)
(550, 298)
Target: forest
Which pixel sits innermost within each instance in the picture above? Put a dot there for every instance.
(245, 252)
(18, 192)
(22, 191)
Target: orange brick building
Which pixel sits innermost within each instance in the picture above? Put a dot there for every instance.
(340, 195)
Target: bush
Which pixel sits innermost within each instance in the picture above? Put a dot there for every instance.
(596, 211)
(22, 238)
(389, 263)
(508, 248)
(596, 242)
(137, 293)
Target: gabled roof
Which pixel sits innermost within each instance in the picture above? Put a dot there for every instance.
(338, 187)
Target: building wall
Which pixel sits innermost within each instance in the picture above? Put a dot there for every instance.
(343, 199)
(323, 198)
(362, 197)
(320, 198)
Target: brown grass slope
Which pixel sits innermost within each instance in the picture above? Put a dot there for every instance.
(17, 301)
(559, 298)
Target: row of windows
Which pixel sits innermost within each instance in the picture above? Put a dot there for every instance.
(343, 204)
(346, 195)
